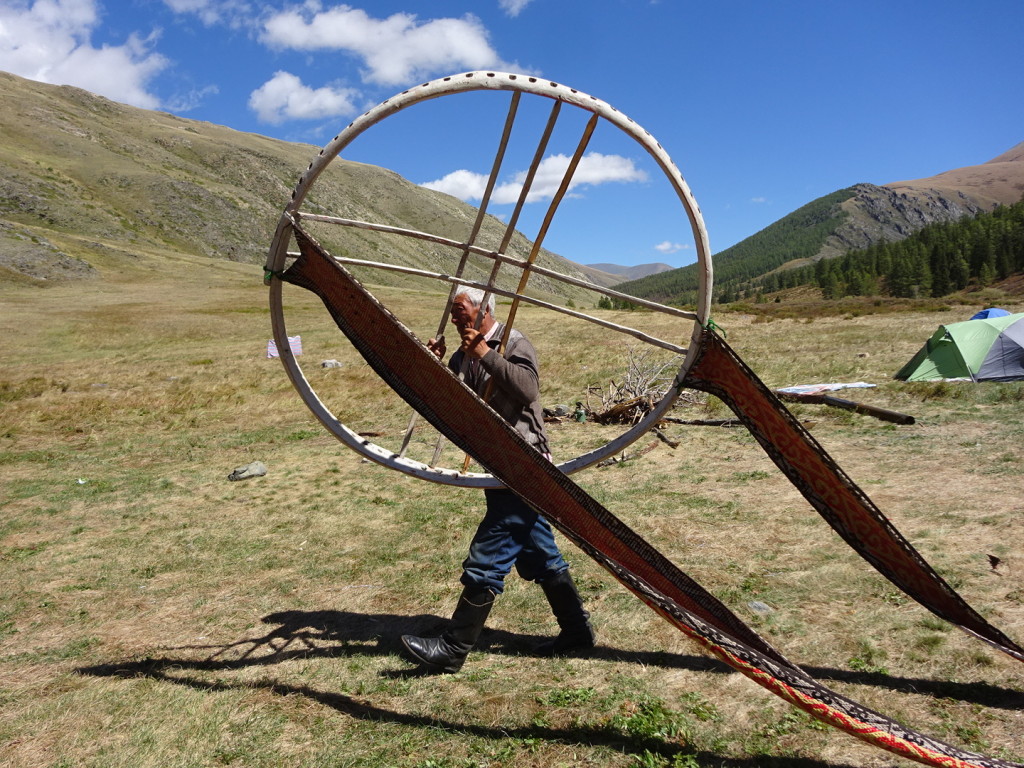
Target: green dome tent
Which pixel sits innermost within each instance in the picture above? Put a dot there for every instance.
(987, 349)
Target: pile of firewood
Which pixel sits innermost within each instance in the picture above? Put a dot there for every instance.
(614, 411)
(644, 383)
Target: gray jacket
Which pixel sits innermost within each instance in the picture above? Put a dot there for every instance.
(516, 395)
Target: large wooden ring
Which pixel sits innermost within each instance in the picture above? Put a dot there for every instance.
(467, 82)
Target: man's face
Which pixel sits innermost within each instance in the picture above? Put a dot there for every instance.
(463, 312)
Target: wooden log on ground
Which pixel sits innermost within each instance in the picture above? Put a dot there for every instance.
(847, 405)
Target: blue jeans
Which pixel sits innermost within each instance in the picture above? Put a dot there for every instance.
(511, 533)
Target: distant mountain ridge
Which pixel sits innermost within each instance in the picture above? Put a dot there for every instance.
(849, 219)
(631, 273)
(998, 181)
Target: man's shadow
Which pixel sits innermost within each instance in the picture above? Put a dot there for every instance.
(319, 634)
(331, 634)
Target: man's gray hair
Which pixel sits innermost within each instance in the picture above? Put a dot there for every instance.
(475, 296)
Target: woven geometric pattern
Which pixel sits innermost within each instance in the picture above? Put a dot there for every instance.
(719, 371)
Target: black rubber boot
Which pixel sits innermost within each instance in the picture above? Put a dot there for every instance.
(447, 652)
(577, 634)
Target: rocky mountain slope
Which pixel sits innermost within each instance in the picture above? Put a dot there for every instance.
(86, 181)
(876, 213)
(896, 210)
(1000, 180)
(849, 219)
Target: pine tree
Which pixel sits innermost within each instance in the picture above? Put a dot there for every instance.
(939, 265)
(959, 272)
(831, 288)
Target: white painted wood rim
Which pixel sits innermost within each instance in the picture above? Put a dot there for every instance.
(477, 81)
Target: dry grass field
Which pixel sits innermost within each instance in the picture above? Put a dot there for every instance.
(153, 614)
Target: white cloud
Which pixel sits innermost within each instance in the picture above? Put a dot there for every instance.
(395, 51)
(759, 200)
(284, 97)
(234, 13)
(462, 184)
(594, 169)
(191, 99)
(667, 247)
(49, 41)
(513, 7)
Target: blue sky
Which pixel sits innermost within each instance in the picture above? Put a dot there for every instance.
(763, 106)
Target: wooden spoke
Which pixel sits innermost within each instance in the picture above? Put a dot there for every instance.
(477, 223)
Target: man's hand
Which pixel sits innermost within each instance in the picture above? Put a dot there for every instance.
(437, 346)
(473, 344)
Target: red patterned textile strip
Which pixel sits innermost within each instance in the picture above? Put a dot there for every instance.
(458, 413)
(719, 371)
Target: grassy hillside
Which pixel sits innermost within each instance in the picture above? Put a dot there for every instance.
(152, 613)
(84, 179)
(800, 235)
